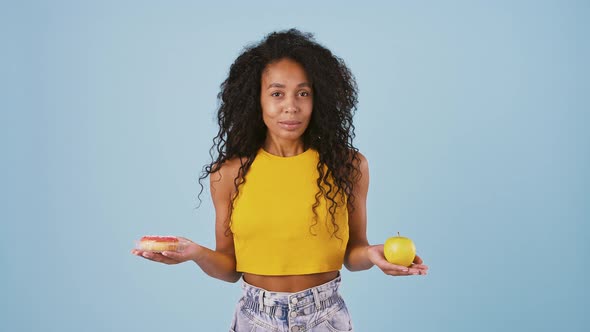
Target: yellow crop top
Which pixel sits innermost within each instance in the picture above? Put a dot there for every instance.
(273, 214)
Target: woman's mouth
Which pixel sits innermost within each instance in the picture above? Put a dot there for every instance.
(290, 125)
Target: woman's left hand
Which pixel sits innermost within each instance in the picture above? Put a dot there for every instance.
(377, 257)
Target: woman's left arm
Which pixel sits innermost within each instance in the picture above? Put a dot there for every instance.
(356, 257)
(360, 255)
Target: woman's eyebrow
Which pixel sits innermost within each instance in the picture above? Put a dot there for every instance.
(279, 85)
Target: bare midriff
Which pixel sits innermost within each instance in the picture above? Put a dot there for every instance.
(291, 283)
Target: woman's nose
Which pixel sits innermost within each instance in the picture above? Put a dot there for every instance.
(291, 105)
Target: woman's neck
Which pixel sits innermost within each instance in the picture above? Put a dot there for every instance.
(283, 148)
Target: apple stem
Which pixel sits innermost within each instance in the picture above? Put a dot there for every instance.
(398, 234)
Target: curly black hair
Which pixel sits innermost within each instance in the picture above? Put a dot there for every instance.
(242, 131)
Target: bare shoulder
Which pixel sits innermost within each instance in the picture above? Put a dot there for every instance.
(363, 163)
(361, 157)
(223, 179)
(226, 174)
(229, 168)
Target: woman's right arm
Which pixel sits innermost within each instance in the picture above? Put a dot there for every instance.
(221, 262)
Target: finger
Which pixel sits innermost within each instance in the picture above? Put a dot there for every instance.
(418, 260)
(409, 272)
(157, 257)
(419, 267)
(414, 272)
(397, 273)
(406, 274)
(386, 266)
(137, 252)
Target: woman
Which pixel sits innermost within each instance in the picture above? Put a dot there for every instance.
(289, 189)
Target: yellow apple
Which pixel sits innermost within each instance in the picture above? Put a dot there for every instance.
(399, 250)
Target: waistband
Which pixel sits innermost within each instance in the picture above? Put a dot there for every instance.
(281, 304)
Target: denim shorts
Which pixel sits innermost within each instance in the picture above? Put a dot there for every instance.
(315, 309)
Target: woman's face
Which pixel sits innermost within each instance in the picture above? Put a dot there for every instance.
(286, 99)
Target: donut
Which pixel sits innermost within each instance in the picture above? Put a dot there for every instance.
(155, 243)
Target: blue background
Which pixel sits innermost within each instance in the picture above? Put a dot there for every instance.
(473, 115)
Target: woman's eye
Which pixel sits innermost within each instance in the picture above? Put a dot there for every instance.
(275, 94)
(305, 93)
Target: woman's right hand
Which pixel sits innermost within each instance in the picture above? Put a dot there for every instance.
(190, 252)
